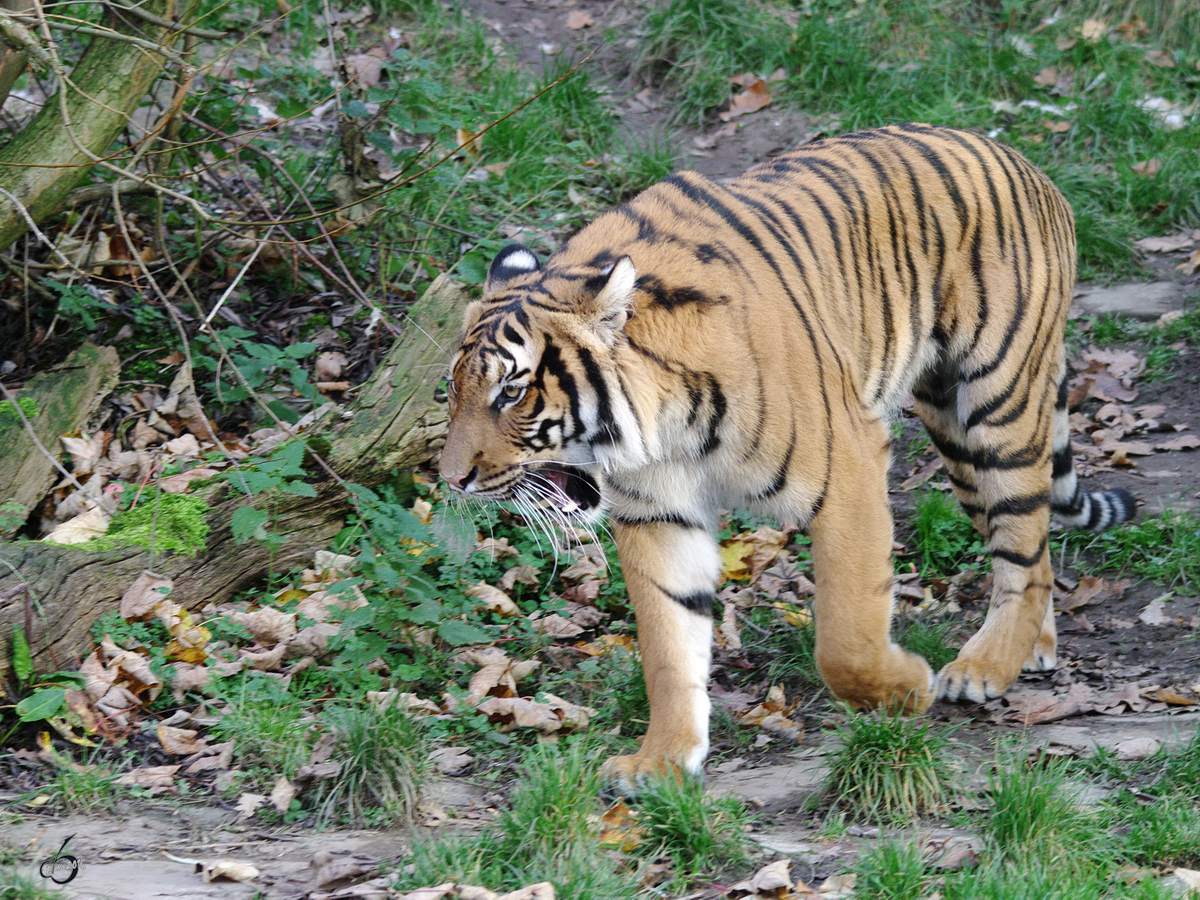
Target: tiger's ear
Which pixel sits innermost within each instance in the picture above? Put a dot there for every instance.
(611, 306)
(511, 262)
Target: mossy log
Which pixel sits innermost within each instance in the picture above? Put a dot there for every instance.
(55, 593)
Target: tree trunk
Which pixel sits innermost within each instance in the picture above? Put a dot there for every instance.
(55, 592)
(41, 164)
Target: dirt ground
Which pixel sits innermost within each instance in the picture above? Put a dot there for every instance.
(1115, 666)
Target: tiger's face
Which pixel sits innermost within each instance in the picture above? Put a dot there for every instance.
(525, 390)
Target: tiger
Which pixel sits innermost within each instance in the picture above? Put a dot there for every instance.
(711, 347)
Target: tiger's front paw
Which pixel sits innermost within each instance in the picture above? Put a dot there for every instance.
(974, 679)
(628, 775)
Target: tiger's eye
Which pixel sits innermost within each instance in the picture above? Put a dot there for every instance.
(513, 391)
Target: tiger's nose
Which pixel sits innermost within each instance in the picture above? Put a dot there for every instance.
(461, 480)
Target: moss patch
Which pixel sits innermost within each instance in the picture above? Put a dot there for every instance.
(181, 524)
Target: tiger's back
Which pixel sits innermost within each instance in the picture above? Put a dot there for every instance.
(708, 347)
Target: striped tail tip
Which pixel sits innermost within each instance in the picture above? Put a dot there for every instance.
(1097, 510)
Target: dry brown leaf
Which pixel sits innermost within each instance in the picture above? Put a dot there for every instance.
(282, 794)
(772, 880)
(180, 741)
(265, 661)
(754, 96)
(497, 548)
(1169, 696)
(1048, 77)
(140, 599)
(548, 715)
(179, 484)
(155, 779)
(440, 892)
(498, 675)
(837, 886)
(1133, 29)
(1039, 708)
(1133, 749)
(727, 635)
(80, 529)
(1092, 590)
(1190, 265)
(451, 760)
(1093, 30)
(1183, 442)
(247, 803)
(556, 626)
(585, 592)
(605, 644)
(1056, 127)
(408, 702)
(1168, 244)
(269, 626)
(1148, 168)
(772, 715)
(494, 599)
(519, 575)
(1161, 58)
(619, 828)
(228, 870)
(543, 890)
(578, 18)
(1154, 614)
(590, 563)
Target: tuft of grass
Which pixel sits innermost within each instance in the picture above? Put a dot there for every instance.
(700, 834)
(893, 870)
(944, 537)
(550, 833)
(1036, 821)
(268, 732)
(84, 789)
(383, 761)
(18, 884)
(890, 768)
(1165, 548)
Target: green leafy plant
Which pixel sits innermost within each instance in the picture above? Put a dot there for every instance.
(45, 695)
(944, 537)
(893, 870)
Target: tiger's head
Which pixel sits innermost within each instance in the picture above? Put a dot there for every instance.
(535, 403)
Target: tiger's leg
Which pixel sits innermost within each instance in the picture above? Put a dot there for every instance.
(671, 572)
(1019, 631)
(852, 561)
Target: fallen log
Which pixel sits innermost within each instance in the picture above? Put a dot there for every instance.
(55, 593)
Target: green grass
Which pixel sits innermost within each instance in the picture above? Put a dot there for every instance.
(699, 834)
(969, 66)
(270, 732)
(890, 768)
(893, 870)
(17, 884)
(943, 537)
(383, 762)
(1035, 819)
(930, 638)
(1165, 549)
(549, 833)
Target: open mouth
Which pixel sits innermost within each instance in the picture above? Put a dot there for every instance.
(572, 491)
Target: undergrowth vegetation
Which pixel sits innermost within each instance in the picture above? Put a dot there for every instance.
(457, 167)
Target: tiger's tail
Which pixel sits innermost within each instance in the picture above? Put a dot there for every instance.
(1070, 503)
